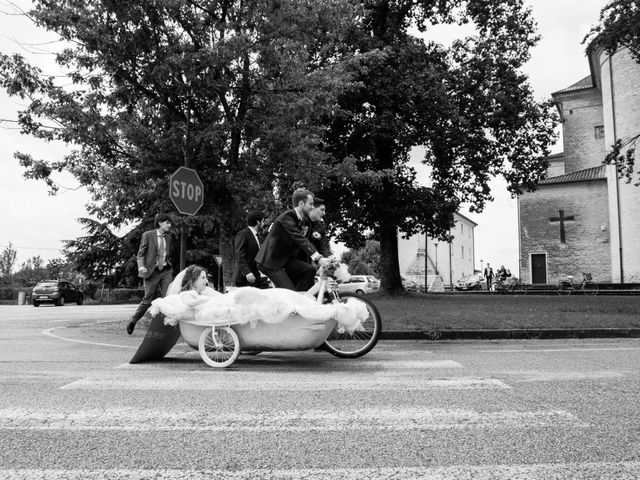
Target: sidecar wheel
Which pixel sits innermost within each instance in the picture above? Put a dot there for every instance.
(222, 354)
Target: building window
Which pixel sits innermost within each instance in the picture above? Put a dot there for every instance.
(462, 251)
(599, 132)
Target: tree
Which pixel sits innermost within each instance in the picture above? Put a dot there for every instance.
(7, 261)
(232, 88)
(468, 104)
(31, 272)
(363, 261)
(619, 27)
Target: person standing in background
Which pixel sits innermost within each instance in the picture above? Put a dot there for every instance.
(154, 266)
(247, 245)
(488, 275)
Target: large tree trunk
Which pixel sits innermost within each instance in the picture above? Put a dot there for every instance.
(391, 282)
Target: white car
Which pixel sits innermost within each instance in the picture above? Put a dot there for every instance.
(360, 284)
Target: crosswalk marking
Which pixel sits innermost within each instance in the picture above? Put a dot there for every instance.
(541, 471)
(234, 381)
(388, 419)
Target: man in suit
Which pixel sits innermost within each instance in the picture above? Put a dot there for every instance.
(247, 244)
(279, 254)
(154, 266)
(488, 275)
(317, 230)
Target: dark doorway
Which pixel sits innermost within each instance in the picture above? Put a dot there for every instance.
(538, 268)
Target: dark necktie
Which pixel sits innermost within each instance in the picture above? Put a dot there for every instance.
(162, 252)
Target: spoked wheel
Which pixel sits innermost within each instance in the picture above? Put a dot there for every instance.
(361, 341)
(590, 288)
(219, 347)
(563, 288)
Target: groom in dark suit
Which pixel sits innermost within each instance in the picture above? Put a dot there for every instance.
(154, 266)
(279, 255)
(247, 244)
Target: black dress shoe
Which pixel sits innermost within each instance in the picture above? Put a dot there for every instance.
(130, 326)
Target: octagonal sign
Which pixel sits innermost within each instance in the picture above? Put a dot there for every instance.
(186, 190)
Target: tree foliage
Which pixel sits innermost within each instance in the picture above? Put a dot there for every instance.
(468, 104)
(7, 261)
(257, 95)
(618, 26)
(234, 89)
(363, 261)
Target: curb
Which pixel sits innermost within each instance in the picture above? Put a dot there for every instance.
(513, 334)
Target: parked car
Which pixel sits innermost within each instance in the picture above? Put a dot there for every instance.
(411, 285)
(360, 284)
(470, 282)
(57, 292)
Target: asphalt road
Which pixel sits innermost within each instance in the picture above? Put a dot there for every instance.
(73, 408)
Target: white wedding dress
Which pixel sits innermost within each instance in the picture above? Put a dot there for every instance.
(249, 305)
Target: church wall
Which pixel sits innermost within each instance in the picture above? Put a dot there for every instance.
(622, 104)
(587, 236)
(582, 113)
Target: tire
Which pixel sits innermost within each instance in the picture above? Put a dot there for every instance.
(360, 292)
(60, 302)
(360, 342)
(495, 287)
(564, 288)
(519, 289)
(590, 288)
(35, 304)
(80, 300)
(221, 355)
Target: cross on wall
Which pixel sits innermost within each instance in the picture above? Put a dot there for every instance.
(561, 218)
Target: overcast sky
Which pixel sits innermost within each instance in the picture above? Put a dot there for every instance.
(36, 223)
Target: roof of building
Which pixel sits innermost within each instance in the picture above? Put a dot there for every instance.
(467, 219)
(583, 84)
(586, 175)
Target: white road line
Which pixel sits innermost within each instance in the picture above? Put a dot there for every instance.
(49, 333)
(413, 364)
(541, 376)
(540, 471)
(218, 381)
(135, 419)
(577, 349)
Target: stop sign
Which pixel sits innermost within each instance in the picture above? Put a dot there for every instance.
(186, 190)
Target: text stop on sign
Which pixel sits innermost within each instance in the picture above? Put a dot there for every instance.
(186, 190)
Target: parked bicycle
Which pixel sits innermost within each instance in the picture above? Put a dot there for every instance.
(587, 286)
(504, 287)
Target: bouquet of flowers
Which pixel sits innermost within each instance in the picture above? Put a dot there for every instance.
(334, 269)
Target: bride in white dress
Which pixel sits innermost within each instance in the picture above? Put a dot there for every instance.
(190, 299)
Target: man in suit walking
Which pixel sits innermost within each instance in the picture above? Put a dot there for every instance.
(488, 275)
(279, 254)
(247, 245)
(154, 266)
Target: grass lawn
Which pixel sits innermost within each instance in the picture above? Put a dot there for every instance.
(438, 312)
(472, 312)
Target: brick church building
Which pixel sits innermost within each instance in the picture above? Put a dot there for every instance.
(582, 217)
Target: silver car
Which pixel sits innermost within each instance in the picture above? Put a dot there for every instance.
(360, 284)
